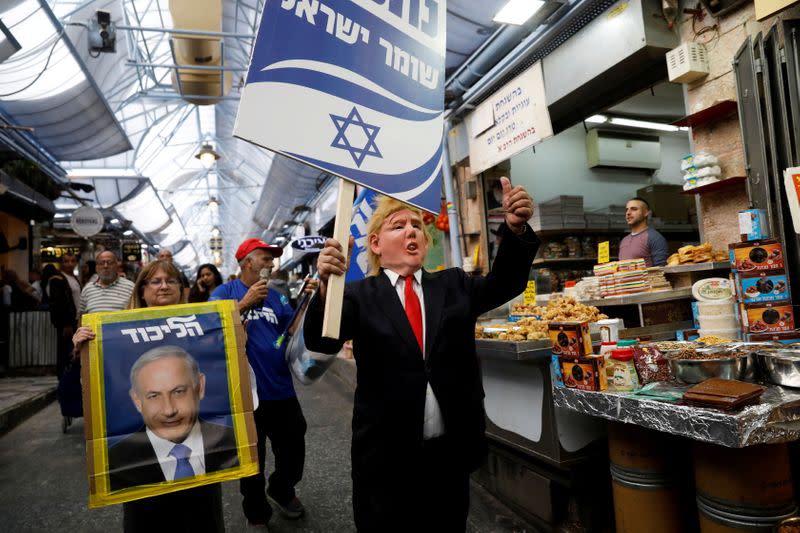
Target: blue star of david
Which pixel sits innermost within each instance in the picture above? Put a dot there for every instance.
(341, 141)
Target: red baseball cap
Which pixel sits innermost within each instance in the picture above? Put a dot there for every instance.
(254, 244)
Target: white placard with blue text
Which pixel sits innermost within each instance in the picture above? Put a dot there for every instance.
(517, 119)
(355, 88)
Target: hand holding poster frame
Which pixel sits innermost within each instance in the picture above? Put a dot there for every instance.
(355, 89)
(192, 354)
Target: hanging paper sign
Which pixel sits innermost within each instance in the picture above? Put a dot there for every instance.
(511, 120)
(309, 243)
(603, 253)
(354, 88)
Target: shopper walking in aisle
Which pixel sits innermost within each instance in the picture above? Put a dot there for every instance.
(279, 416)
(68, 264)
(418, 417)
(190, 510)
(166, 255)
(208, 278)
(109, 292)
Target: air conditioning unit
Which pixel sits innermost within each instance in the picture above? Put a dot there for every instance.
(622, 150)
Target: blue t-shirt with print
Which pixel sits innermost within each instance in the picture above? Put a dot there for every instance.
(265, 323)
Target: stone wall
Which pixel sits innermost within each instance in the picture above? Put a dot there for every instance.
(723, 137)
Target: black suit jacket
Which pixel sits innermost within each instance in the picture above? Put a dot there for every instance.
(392, 373)
(132, 461)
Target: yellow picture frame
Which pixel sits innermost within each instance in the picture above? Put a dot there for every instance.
(147, 328)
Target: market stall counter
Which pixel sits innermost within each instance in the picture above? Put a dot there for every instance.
(774, 419)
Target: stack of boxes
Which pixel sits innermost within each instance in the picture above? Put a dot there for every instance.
(559, 213)
(574, 365)
(762, 286)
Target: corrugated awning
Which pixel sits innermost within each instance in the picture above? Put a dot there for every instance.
(46, 86)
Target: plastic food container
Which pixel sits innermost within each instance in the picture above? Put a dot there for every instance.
(718, 322)
(725, 307)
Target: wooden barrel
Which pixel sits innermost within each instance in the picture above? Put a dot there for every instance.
(638, 449)
(755, 481)
(646, 505)
(714, 520)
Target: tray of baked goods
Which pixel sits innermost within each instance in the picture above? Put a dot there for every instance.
(526, 330)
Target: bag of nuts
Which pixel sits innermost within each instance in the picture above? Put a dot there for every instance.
(650, 363)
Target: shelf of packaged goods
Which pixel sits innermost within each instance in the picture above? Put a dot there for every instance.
(697, 267)
(717, 185)
(562, 260)
(544, 233)
(643, 298)
(709, 114)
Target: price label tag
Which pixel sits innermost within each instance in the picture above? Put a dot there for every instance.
(529, 296)
(602, 253)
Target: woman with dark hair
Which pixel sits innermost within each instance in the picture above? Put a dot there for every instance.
(208, 278)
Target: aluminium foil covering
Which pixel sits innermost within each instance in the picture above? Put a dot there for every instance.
(774, 419)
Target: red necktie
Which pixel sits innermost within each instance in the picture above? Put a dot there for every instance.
(414, 311)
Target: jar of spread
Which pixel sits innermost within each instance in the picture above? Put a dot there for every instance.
(605, 350)
(625, 377)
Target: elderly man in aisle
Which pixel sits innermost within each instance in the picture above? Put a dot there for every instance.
(166, 255)
(267, 316)
(109, 292)
(418, 416)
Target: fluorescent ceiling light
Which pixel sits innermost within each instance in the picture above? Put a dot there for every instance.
(597, 119)
(643, 124)
(518, 11)
(127, 232)
(114, 221)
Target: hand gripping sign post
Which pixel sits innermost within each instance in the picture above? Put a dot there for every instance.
(356, 89)
(158, 382)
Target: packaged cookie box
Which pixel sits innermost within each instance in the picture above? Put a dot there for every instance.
(784, 337)
(765, 286)
(585, 373)
(771, 317)
(570, 339)
(753, 256)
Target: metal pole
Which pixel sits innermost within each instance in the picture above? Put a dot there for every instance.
(178, 31)
(452, 212)
(186, 67)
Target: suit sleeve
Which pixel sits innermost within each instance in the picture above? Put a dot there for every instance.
(509, 274)
(312, 325)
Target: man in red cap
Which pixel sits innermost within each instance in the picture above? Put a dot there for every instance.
(278, 415)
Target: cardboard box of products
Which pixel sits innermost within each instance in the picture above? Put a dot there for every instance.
(760, 287)
(570, 339)
(771, 317)
(753, 256)
(585, 373)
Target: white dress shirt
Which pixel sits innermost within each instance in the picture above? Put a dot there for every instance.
(433, 425)
(168, 463)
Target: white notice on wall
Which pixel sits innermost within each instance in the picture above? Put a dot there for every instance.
(521, 120)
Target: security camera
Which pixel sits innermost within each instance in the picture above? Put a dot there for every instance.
(102, 33)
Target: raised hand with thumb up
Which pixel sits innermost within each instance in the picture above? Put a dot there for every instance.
(517, 204)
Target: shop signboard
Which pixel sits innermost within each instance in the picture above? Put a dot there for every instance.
(86, 221)
(52, 254)
(309, 244)
(131, 252)
(353, 88)
(511, 120)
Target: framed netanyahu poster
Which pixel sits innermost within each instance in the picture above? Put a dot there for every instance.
(167, 401)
